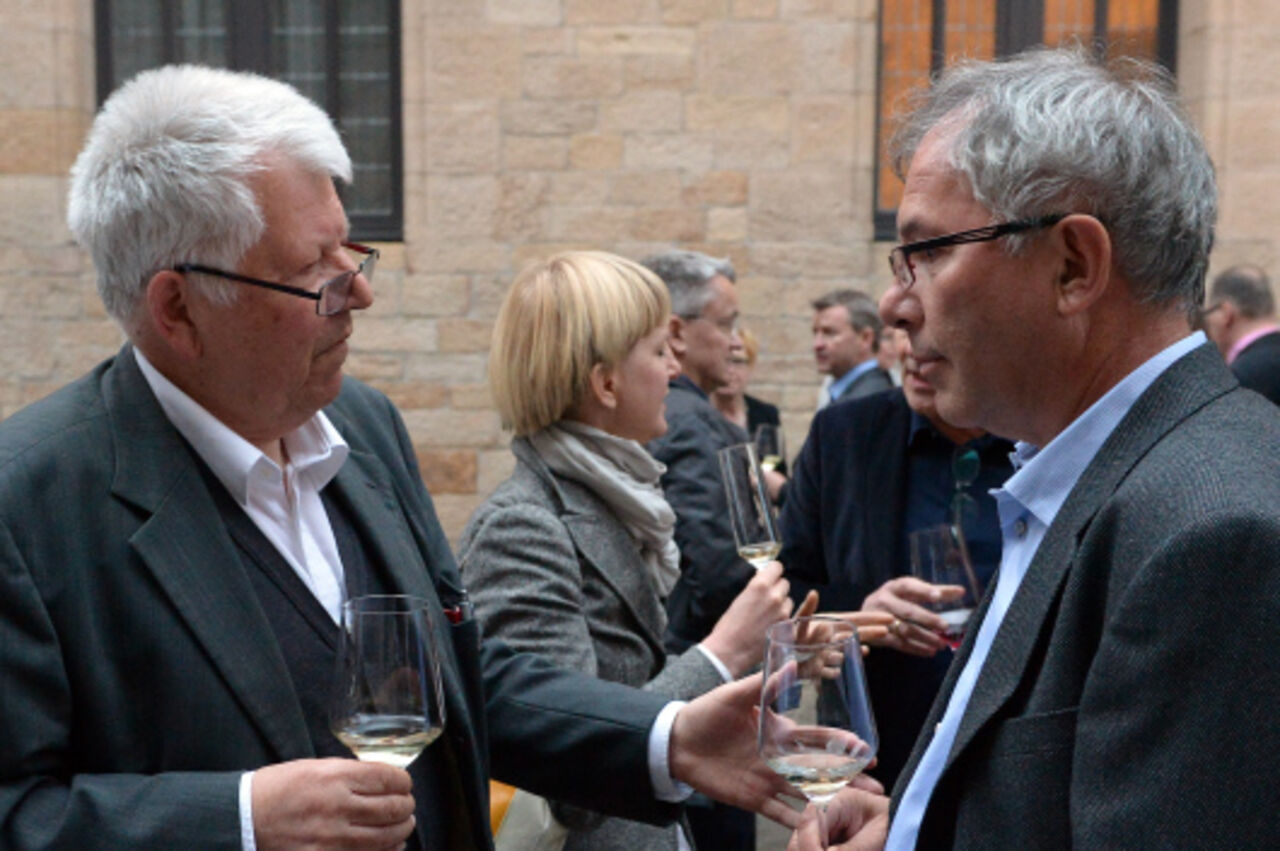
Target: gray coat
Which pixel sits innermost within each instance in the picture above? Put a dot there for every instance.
(1129, 697)
(551, 570)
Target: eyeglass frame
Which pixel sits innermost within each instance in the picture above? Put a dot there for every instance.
(982, 234)
(343, 279)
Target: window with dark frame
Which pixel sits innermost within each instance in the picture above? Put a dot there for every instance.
(343, 54)
(918, 38)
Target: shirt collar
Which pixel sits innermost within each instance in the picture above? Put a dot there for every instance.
(841, 384)
(316, 450)
(1045, 477)
(1247, 340)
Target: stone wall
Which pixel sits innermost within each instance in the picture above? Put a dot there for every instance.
(739, 127)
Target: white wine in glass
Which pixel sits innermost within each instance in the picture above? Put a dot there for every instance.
(388, 702)
(816, 727)
(939, 556)
(769, 446)
(755, 529)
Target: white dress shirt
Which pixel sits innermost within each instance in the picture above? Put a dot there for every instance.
(1027, 504)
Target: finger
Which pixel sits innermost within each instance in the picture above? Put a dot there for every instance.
(863, 617)
(809, 605)
(873, 634)
(381, 810)
(374, 778)
(777, 811)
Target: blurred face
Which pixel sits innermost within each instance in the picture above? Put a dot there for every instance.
(268, 361)
(706, 345)
(891, 347)
(981, 323)
(837, 346)
(640, 387)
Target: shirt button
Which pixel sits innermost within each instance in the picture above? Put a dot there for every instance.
(1020, 527)
(937, 728)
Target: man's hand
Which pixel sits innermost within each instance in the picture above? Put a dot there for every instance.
(915, 630)
(331, 803)
(713, 749)
(856, 818)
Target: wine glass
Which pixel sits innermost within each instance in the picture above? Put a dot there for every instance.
(755, 529)
(939, 556)
(816, 726)
(769, 446)
(388, 702)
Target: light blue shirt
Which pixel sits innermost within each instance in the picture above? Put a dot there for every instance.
(1028, 504)
(841, 384)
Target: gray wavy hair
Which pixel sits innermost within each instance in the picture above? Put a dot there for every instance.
(1050, 131)
(687, 275)
(164, 176)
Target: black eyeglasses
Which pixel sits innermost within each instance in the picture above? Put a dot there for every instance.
(330, 298)
(904, 271)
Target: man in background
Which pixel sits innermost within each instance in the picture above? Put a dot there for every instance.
(871, 472)
(846, 337)
(1241, 320)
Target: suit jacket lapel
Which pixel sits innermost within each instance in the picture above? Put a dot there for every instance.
(884, 490)
(1186, 386)
(608, 548)
(188, 551)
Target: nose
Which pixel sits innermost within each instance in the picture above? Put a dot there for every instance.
(673, 365)
(900, 309)
(361, 295)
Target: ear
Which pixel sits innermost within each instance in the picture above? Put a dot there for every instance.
(1085, 270)
(169, 307)
(676, 339)
(602, 385)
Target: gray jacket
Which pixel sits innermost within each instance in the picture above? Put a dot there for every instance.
(551, 570)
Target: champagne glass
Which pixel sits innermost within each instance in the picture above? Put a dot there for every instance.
(755, 529)
(769, 446)
(816, 726)
(388, 702)
(939, 556)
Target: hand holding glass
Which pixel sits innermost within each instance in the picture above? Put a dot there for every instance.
(388, 702)
(939, 556)
(755, 529)
(816, 726)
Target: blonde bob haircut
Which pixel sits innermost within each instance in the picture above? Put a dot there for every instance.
(561, 318)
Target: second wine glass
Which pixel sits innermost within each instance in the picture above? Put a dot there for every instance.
(816, 726)
(755, 529)
(388, 702)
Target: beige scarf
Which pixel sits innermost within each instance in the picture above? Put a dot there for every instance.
(626, 477)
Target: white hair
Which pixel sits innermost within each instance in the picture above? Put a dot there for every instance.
(1056, 131)
(688, 275)
(164, 176)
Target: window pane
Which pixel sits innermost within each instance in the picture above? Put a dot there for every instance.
(366, 102)
(298, 46)
(1068, 20)
(137, 38)
(1131, 27)
(971, 29)
(906, 34)
(200, 32)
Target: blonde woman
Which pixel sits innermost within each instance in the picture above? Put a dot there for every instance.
(572, 556)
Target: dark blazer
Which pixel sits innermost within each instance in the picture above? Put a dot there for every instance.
(552, 571)
(1258, 366)
(711, 573)
(842, 528)
(1129, 698)
(873, 380)
(141, 678)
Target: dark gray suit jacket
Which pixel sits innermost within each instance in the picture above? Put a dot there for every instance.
(1129, 699)
(141, 678)
(711, 572)
(553, 571)
(872, 381)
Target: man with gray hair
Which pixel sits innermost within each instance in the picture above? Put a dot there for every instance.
(846, 338)
(180, 528)
(1117, 686)
(703, 337)
(1241, 319)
